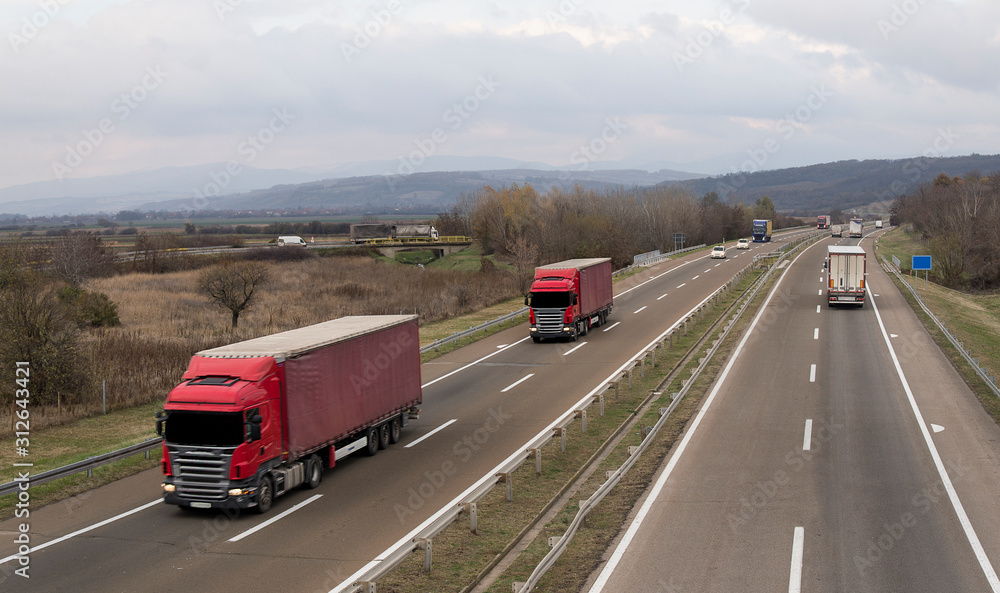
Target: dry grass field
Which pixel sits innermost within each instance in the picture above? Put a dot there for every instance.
(164, 319)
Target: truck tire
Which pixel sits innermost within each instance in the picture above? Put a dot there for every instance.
(265, 495)
(535, 339)
(372, 435)
(395, 430)
(314, 472)
(383, 436)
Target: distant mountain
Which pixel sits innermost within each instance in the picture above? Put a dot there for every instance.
(842, 185)
(111, 193)
(181, 186)
(419, 191)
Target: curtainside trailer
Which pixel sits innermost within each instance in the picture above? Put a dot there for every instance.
(252, 420)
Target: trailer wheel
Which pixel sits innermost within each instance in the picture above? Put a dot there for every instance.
(395, 430)
(372, 435)
(265, 495)
(383, 435)
(314, 472)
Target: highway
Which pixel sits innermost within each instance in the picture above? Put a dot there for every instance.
(482, 403)
(837, 451)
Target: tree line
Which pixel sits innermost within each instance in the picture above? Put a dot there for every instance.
(959, 220)
(527, 228)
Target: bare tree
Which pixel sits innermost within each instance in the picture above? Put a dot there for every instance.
(78, 256)
(233, 285)
(524, 256)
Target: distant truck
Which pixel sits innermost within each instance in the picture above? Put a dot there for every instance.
(569, 297)
(362, 233)
(823, 221)
(414, 231)
(291, 240)
(845, 275)
(836, 231)
(253, 420)
(856, 228)
(761, 231)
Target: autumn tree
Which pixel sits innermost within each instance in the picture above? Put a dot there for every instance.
(233, 285)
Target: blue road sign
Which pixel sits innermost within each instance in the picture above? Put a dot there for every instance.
(921, 262)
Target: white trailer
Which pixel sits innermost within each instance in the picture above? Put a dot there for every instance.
(845, 275)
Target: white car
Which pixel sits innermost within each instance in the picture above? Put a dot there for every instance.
(719, 252)
(743, 244)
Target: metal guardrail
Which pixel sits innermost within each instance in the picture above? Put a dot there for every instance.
(634, 452)
(86, 465)
(455, 337)
(655, 260)
(983, 373)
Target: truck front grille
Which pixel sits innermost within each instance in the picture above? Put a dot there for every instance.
(549, 321)
(201, 473)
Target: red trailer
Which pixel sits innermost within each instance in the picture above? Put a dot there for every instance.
(568, 298)
(252, 420)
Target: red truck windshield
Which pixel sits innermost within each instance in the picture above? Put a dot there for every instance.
(550, 300)
(207, 429)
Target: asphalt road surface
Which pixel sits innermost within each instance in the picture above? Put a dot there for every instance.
(838, 451)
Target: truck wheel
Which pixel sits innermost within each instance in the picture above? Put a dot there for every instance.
(372, 435)
(314, 472)
(535, 339)
(383, 435)
(265, 495)
(395, 430)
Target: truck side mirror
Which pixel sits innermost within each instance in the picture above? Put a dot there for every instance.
(160, 419)
(255, 421)
(573, 299)
(527, 300)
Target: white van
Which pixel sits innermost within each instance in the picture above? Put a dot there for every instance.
(290, 240)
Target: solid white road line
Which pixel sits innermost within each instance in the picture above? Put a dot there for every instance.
(528, 376)
(612, 326)
(86, 529)
(812, 373)
(574, 349)
(956, 503)
(639, 309)
(442, 427)
(276, 518)
(633, 528)
(807, 437)
(795, 573)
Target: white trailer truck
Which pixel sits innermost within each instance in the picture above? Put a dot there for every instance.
(845, 275)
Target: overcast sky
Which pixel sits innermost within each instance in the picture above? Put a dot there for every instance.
(96, 87)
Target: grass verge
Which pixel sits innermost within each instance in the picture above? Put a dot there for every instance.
(974, 319)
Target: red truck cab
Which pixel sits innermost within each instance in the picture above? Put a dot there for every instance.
(568, 298)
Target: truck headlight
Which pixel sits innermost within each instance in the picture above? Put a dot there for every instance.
(240, 491)
(169, 487)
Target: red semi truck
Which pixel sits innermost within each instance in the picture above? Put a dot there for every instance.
(252, 420)
(568, 298)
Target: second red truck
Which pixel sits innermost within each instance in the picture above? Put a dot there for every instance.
(569, 297)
